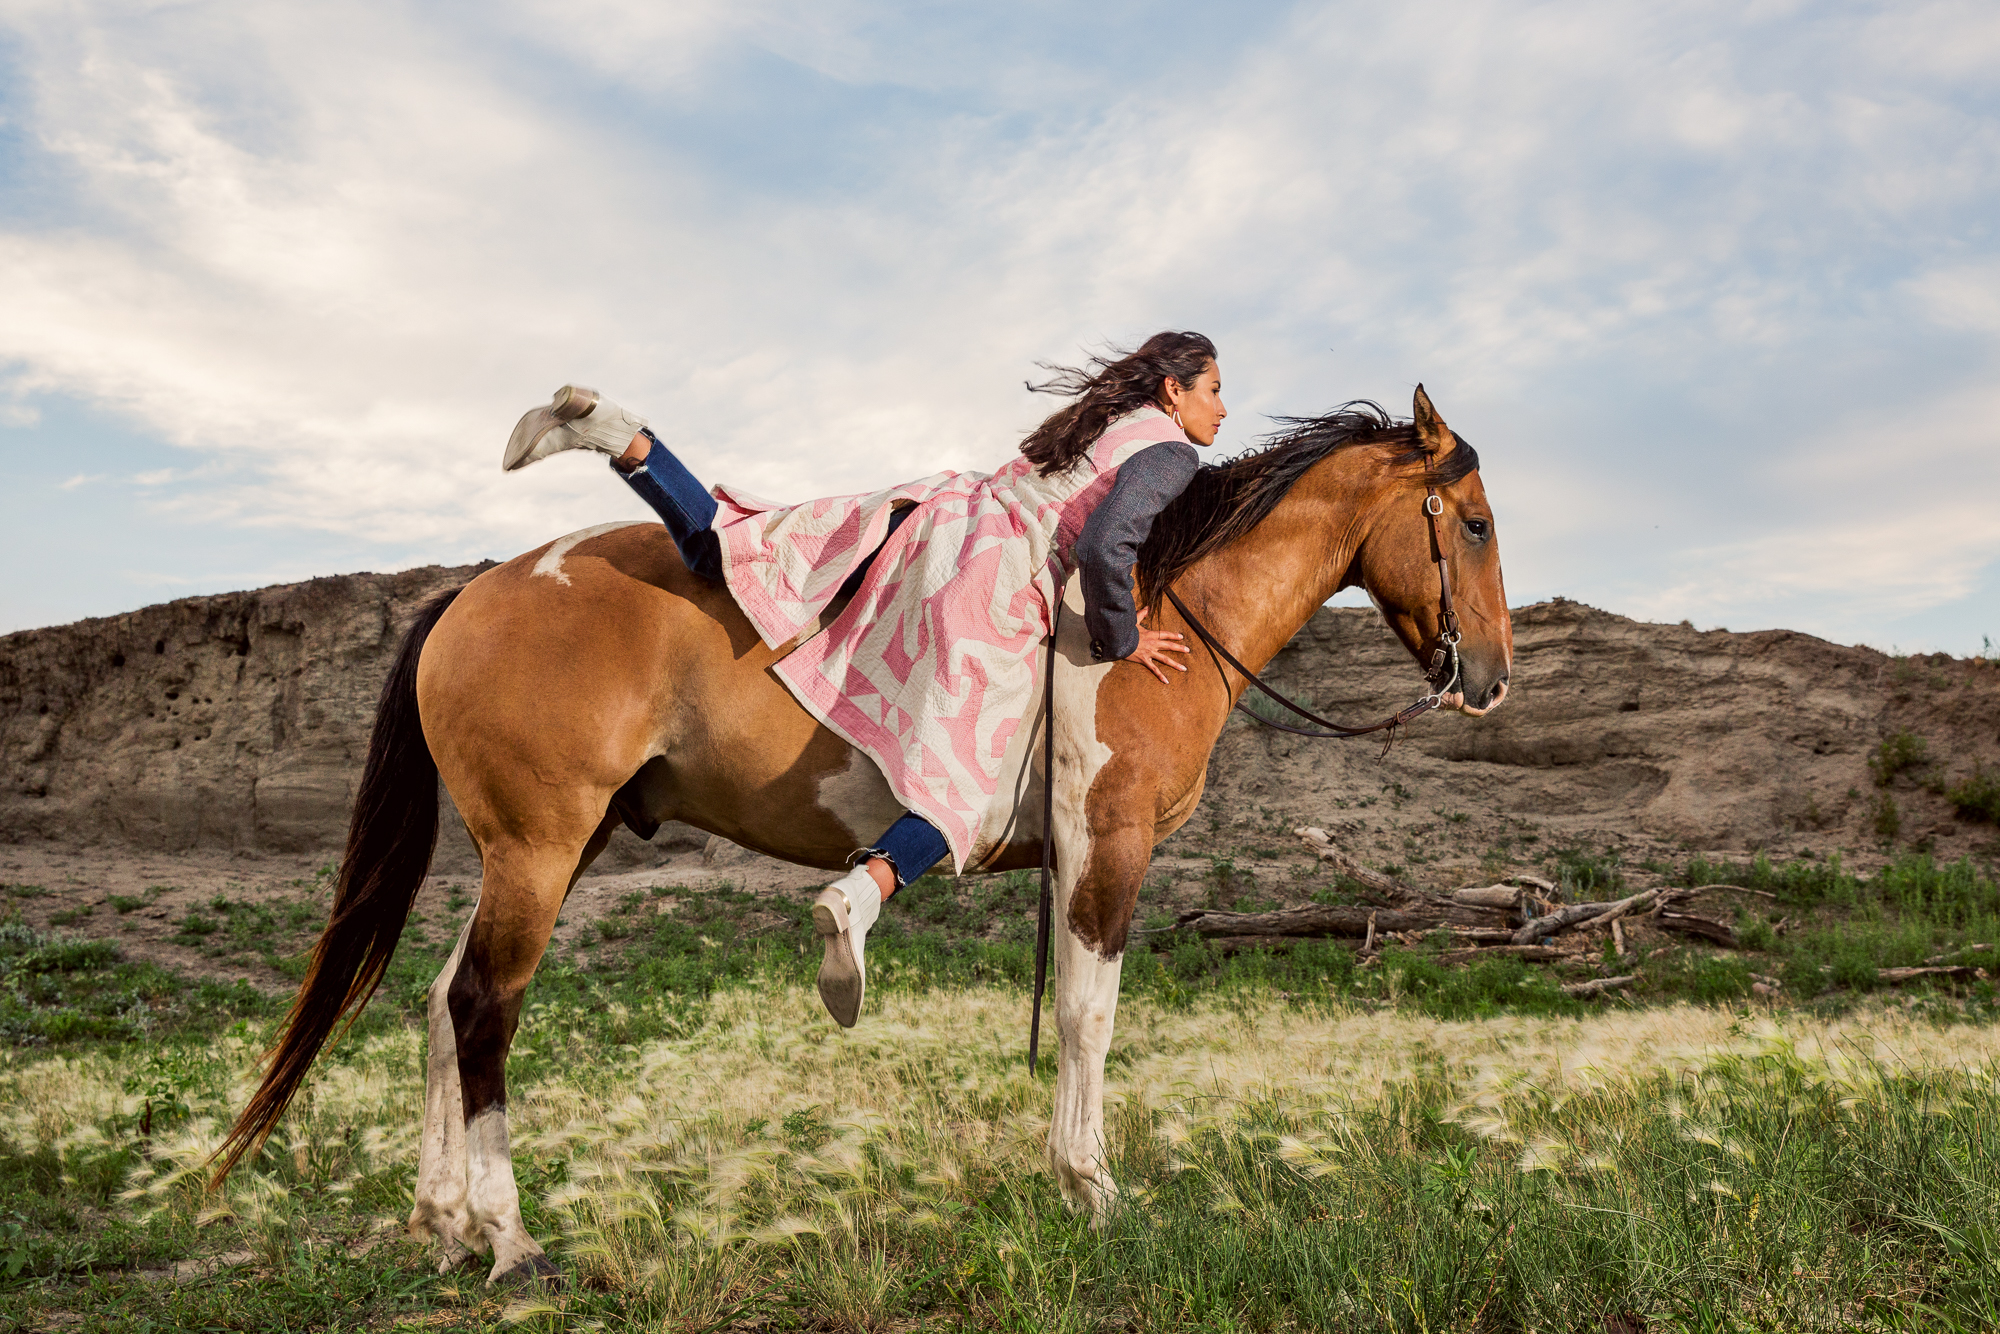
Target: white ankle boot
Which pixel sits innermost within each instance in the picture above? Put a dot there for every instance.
(576, 418)
(842, 915)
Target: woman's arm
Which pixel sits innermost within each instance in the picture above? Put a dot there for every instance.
(1108, 546)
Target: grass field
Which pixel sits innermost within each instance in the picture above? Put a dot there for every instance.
(1302, 1143)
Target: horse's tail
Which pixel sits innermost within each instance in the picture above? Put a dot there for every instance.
(389, 846)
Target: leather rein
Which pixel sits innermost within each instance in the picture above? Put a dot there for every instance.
(1447, 650)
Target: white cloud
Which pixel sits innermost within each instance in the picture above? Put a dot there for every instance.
(336, 252)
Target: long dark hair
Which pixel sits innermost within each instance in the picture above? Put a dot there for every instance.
(1226, 500)
(1107, 388)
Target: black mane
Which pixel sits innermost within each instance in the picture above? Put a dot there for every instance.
(1226, 500)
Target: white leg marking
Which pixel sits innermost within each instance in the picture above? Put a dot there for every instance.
(859, 797)
(492, 1197)
(551, 563)
(440, 1206)
(1086, 986)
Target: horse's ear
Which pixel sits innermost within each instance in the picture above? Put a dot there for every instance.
(1432, 433)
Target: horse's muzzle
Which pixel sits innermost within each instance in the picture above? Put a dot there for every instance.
(1493, 696)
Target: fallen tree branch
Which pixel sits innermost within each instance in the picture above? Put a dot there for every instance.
(1596, 985)
(1529, 953)
(1565, 917)
(1350, 919)
(1490, 896)
(1734, 889)
(1373, 881)
(1690, 925)
(1898, 976)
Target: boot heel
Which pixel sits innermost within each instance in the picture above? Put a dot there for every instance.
(571, 402)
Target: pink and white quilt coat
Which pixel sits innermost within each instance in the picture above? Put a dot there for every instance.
(933, 666)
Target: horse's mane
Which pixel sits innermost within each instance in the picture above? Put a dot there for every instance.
(1226, 500)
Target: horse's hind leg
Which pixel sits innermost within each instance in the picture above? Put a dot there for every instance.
(521, 892)
(440, 1205)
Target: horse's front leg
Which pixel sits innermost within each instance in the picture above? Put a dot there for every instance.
(1093, 907)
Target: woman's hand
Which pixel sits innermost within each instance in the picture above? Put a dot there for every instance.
(1155, 648)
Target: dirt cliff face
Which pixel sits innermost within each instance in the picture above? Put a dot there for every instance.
(1703, 738)
(234, 721)
(241, 722)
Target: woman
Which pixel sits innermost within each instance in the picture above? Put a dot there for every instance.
(933, 665)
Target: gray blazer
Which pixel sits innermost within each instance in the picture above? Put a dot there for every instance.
(1109, 544)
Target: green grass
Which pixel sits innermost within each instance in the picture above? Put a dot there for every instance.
(1803, 1172)
(1326, 1170)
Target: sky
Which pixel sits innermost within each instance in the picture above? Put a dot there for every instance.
(1713, 288)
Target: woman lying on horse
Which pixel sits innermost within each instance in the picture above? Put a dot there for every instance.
(932, 664)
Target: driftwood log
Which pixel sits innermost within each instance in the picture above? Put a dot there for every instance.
(1328, 919)
(1705, 927)
(1599, 984)
(1898, 976)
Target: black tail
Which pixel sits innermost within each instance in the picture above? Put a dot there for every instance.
(389, 846)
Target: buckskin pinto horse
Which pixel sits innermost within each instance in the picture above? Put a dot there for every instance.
(595, 681)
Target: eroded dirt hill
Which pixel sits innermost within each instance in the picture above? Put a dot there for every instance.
(240, 721)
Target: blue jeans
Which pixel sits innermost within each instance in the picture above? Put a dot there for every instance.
(682, 503)
(913, 844)
(687, 509)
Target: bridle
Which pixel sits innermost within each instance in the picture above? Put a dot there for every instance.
(1447, 649)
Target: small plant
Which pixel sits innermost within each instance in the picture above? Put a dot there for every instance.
(1899, 753)
(1886, 821)
(1587, 876)
(194, 924)
(1978, 797)
(125, 903)
(70, 916)
(26, 891)
(13, 1243)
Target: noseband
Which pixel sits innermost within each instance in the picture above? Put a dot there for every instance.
(1446, 651)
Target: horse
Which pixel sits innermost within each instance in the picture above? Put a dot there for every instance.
(594, 681)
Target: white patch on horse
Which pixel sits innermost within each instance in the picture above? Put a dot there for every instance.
(859, 798)
(440, 1207)
(491, 1196)
(551, 563)
(1086, 986)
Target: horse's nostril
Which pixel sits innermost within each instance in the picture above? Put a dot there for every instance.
(1495, 695)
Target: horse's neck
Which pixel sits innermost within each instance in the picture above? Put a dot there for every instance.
(1259, 591)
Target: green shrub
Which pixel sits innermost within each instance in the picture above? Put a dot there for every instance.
(1801, 883)
(1978, 797)
(1899, 753)
(1586, 876)
(1887, 820)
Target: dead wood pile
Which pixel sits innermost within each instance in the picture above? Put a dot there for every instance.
(1516, 917)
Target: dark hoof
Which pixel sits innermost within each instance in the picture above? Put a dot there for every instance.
(535, 1269)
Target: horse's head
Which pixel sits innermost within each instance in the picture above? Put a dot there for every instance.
(1398, 563)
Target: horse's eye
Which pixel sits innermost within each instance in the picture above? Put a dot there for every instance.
(1478, 528)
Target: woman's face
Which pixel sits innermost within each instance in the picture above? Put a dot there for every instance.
(1199, 404)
